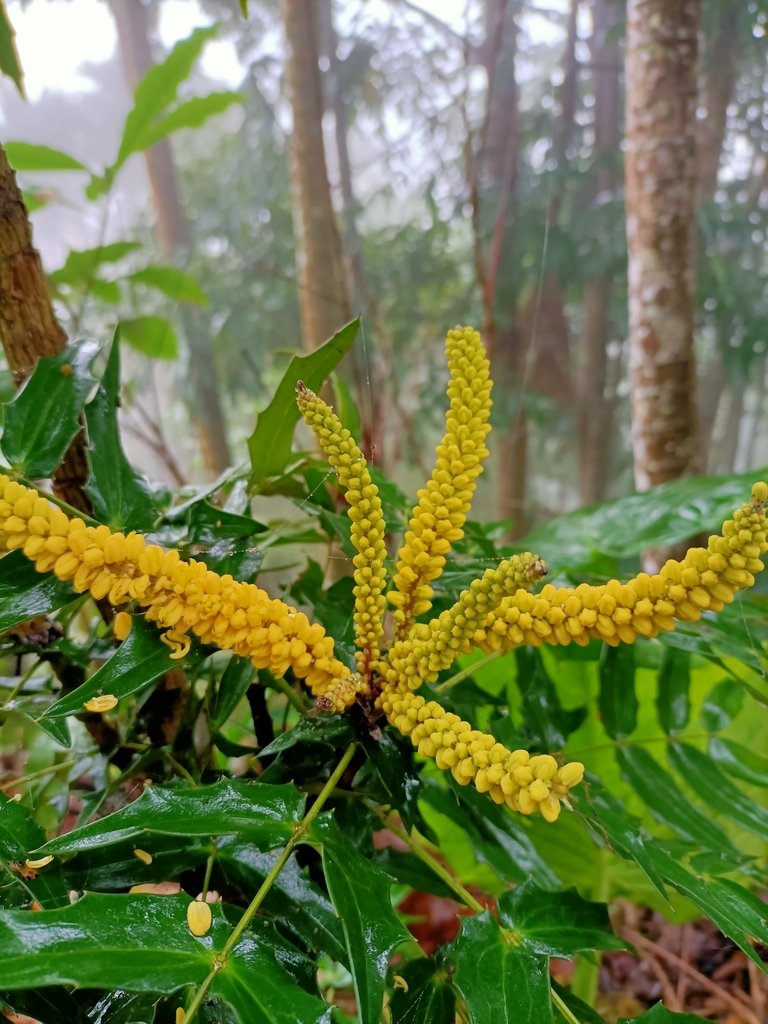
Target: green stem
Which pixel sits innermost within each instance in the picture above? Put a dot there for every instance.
(298, 834)
(20, 685)
(51, 770)
(301, 705)
(208, 873)
(72, 512)
(425, 855)
(465, 672)
(564, 1011)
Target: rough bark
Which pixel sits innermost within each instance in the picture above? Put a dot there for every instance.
(28, 324)
(323, 301)
(661, 60)
(595, 412)
(172, 233)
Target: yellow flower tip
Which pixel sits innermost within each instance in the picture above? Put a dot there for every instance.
(570, 774)
(760, 493)
(41, 862)
(143, 856)
(199, 917)
(180, 1015)
(106, 702)
(179, 643)
(121, 627)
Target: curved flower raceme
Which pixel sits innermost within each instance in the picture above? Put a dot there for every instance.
(367, 532)
(438, 519)
(495, 613)
(180, 596)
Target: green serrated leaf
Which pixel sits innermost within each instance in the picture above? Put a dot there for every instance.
(428, 997)
(140, 659)
(191, 114)
(9, 58)
(26, 593)
(26, 156)
(672, 699)
(556, 923)
(43, 418)
(153, 336)
(716, 790)
(176, 284)
(661, 795)
(498, 980)
(617, 702)
(263, 814)
(372, 929)
(142, 944)
(120, 497)
(270, 443)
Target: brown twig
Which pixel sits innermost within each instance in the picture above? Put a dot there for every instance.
(736, 1004)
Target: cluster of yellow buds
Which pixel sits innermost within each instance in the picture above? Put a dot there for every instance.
(496, 613)
(181, 596)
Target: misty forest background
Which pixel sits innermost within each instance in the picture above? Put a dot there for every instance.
(469, 169)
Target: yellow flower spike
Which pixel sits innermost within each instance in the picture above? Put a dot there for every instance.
(343, 693)
(106, 702)
(705, 578)
(428, 652)
(526, 784)
(368, 527)
(181, 597)
(438, 519)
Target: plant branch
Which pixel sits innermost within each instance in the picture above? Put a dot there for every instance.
(299, 832)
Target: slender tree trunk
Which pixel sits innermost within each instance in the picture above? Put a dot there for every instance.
(661, 183)
(498, 263)
(323, 301)
(172, 233)
(595, 426)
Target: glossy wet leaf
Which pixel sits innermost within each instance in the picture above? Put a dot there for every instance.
(233, 685)
(739, 761)
(497, 979)
(142, 944)
(372, 930)
(716, 790)
(617, 701)
(140, 659)
(120, 496)
(264, 814)
(41, 421)
(673, 702)
(295, 901)
(661, 794)
(427, 996)
(270, 443)
(556, 923)
(26, 593)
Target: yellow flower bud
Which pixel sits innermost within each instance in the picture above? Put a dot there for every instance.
(199, 917)
(106, 702)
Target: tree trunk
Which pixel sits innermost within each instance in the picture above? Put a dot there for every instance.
(172, 233)
(323, 300)
(28, 325)
(595, 426)
(498, 266)
(660, 184)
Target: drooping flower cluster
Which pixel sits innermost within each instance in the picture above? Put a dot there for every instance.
(182, 597)
(496, 613)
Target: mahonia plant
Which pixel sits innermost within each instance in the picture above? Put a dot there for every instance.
(497, 612)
